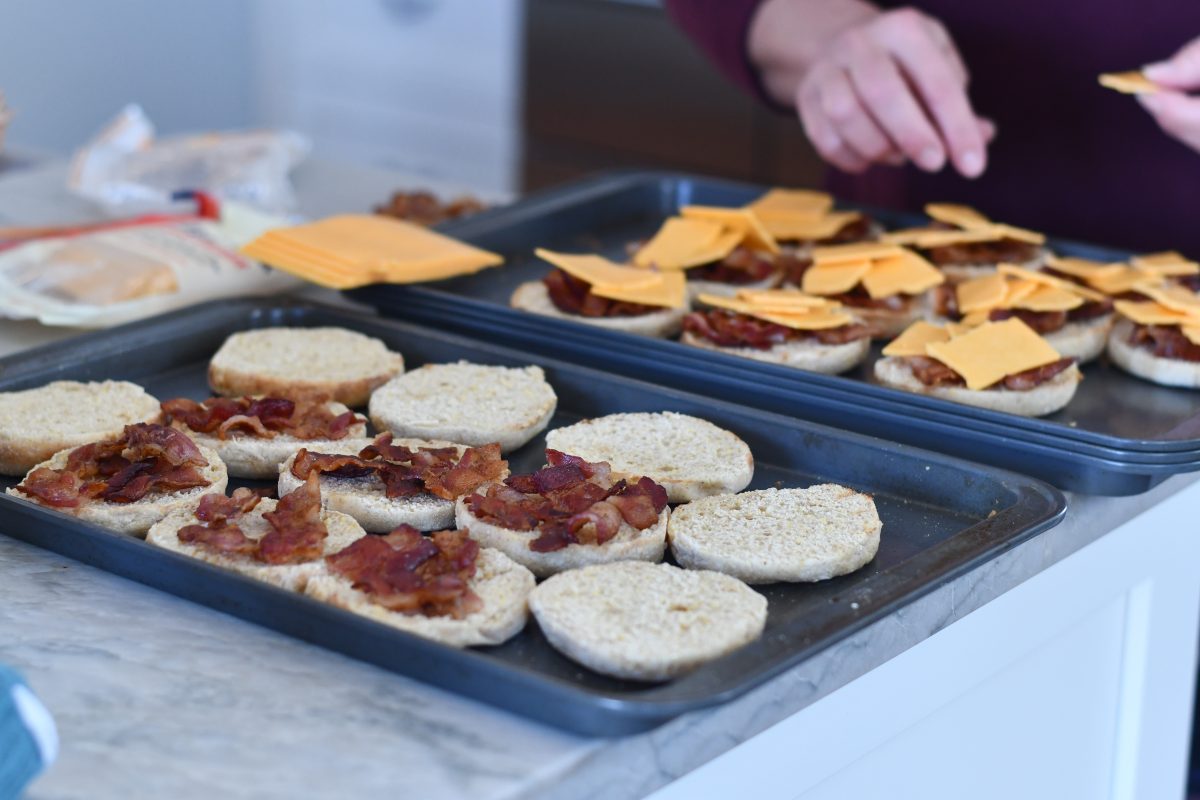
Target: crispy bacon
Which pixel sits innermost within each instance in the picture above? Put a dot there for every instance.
(1092, 309)
(145, 459)
(440, 471)
(741, 267)
(932, 372)
(574, 296)
(225, 538)
(570, 501)
(217, 507)
(730, 329)
(1030, 378)
(1165, 341)
(1004, 250)
(297, 532)
(413, 574)
(1042, 322)
(262, 418)
(424, 208)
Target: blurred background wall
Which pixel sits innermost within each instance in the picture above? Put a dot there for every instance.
(498, 95)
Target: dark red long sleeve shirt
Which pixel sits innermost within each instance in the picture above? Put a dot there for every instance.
(1071, 158)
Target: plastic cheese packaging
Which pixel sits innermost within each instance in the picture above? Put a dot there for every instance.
(130, 271)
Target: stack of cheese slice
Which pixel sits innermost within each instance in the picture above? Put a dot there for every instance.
(882, 269)
(703, 235)
(612, 281)
(1168, 305)
(1120, 277)
(1013, 287)
(357, 249)
(983, 356)
(971, 227)
(800, 214)
(786, 307)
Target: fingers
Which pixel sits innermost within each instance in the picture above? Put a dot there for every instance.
(856, 127)
(822, 132)
(1177, 114)
(1181, 71)
(908, 38)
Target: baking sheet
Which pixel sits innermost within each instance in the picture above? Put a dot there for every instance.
(941, 517)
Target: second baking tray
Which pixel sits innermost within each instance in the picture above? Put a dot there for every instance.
(941, 518)
(1112, 409)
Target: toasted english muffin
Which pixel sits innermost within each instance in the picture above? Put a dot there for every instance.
(776, 535)
(502, 584)
(629, 544)
(343, 531)
(137, 517)
(646, 622)
(806, 354)
(289, 362)
(468, 403)
(1083, 340)
(37, 423)
(535, 298)
(1142, 362)
(1044, 399)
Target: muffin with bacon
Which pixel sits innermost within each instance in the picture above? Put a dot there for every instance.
(1074, 319)
(568, 514)
(387, 482)
(1158, 337)
(965, 244)
(444, 587)
(593, 290)
(282, 542)
(1003, 366)
(254, 435)
(128, 482)
(781, 327)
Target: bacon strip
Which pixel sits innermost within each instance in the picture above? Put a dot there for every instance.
(574, 296)
(570, 501)
(741, 267)
(297, 532)
(1003, 250)
(1165, 341)
(261, 418)
(413, 574)
(730, 329)
(932, 372)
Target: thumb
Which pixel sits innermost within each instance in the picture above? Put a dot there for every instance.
(1181, 71)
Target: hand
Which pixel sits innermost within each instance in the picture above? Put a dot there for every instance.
(871, 86)
(1176, 112)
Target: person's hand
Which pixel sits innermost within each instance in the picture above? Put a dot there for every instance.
(1176, 112)
(870, 86)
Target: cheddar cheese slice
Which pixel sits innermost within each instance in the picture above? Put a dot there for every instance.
(754, 235)
(858, 251)
(985, 355)
(1149, 312)
(784, 299)
(903, 274)
(598, 270)
(787, 228)
(1050, 298)
(1168, 264)
(1192, 332)
(913, 340)
(1083, 268)
(953, 214)
(1132, 82)
(681, 243)
(792, 203)
(836, 278)
(1176, 298)
(799, 317)
(1046, 279)
(1118, 282)
(670, 291)
(983, 293)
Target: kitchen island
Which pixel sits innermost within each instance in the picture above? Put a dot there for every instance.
(1062, 668)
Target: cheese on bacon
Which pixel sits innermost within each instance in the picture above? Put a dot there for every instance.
(913, 340)
(743, 220)
(616, 282)
(835, 278)
(907, 273)
(681, 243)
(985, 355)
(953, 214)
(783, 308)
(792, 203)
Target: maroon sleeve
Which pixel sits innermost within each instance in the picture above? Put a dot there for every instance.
(720, 29)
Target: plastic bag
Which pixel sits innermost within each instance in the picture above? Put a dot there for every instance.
(129, 271)
(125, 168)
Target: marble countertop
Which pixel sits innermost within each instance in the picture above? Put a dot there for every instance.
(157, 697)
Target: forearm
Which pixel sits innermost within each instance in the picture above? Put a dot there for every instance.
(787, 36)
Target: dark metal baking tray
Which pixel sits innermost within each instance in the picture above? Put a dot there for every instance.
(1113, 410)
(942, 517)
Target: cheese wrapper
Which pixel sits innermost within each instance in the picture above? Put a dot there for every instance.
(1132, 82)
(985, 355)
(913, 340)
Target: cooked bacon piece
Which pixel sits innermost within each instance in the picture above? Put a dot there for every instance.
(741, 267)
(58, 489)
(225, 538)
(570, 501)
(475, 467)
(574, 296)
(945, 301)
(423, 208)
(1004, 250)
(856, 230)
(1165, 341)
(1092, 309)
(1030, 378)
(146, 458)
(1189, 281)
(297, 532)
(263, 417)
(217, 507)
(413, 574)
(337, 465)
(794, 267)
(1041, 322)
(730, 329)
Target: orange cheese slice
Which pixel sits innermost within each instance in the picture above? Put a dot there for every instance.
(1083, 268)
(669, 291)
(787, 228)
(1192, 332)
(953, 214)
(908, 237)
(1176, 298)
(1118, 282)
(1049, 298)
(1133, 82)
(1168, 264)
(984, 355)
(903, 274)
(836, 278)
(1045, 279)
(1016, 290)
(913, 340)
(597, 270)
(792, 203)
(754, 235)
(858, 251)
(812, 317)
(1149, 312)
(976, 318)
(784, 299)
(982, 294)
(681, 243)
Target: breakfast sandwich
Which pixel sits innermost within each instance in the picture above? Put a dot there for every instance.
(965, 244)
(594, 290)
(780, 326)
(1121, 279)
(1003, 366)
(1158, 338)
